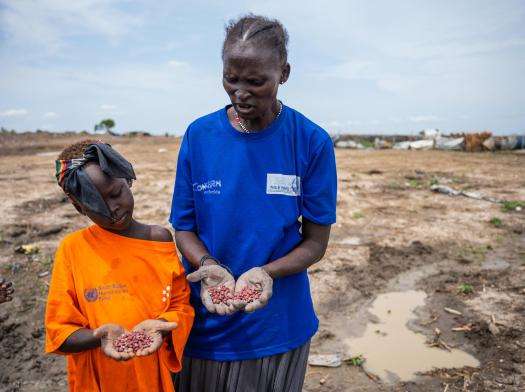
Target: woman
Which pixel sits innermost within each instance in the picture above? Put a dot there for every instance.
(254, 199)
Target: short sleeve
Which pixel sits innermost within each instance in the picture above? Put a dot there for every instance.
(319, 186)
(63, 316)
(182, 216)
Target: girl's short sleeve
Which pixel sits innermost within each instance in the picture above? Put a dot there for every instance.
(63, 316)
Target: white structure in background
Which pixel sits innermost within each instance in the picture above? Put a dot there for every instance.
(429, 134)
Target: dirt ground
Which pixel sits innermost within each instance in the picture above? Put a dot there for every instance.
(392, 234)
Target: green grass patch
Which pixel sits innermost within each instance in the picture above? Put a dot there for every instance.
(433, 181)
(358, 360)
(496, 222)
(512, 205)
(465, 288)
(414, 183)
(358, 215)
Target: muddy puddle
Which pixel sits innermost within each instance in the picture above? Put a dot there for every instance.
(392, 351)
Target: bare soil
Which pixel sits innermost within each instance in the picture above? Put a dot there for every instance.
(392, 234)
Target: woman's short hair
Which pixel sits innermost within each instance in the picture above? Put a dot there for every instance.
(258, 30)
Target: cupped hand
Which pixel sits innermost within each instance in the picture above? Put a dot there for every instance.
(154, 329)
(107, 334)
(213, 277)
(255, 280)
(6, 291)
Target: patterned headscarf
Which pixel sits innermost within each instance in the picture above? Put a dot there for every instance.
(72, 177)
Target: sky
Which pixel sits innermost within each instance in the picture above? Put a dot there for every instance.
(357, 66)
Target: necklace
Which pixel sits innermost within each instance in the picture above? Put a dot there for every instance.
(243, 127)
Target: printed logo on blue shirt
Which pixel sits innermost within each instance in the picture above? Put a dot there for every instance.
(283, 184)
(212, 187)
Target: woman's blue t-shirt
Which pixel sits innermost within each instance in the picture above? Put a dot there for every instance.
(244, 195)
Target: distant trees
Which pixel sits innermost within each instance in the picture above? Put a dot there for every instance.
(105, 125)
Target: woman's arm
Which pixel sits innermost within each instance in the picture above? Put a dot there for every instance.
(309, 251)
(192, 248)
(210, 274)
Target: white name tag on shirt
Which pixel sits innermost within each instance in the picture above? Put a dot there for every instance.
(283, 184)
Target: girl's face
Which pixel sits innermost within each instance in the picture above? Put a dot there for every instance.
(251, 78)
(117, 194)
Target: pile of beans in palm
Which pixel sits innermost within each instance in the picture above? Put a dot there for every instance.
(248, 294)
(132, 341)
(223, 295)
(220, 294)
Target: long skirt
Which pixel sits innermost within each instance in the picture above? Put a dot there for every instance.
(277, 373)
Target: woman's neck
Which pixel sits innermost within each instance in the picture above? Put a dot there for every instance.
(255, 124)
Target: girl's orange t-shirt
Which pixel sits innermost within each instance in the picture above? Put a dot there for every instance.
(100, 277)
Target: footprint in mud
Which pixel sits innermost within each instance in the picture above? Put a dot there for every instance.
(39, 205)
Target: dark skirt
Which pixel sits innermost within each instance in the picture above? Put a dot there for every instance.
(277, 373)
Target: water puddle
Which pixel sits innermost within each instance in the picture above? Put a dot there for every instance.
(395, 353)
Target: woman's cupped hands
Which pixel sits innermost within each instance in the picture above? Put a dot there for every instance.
(221, 294)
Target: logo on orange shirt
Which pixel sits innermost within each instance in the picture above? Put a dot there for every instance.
(91, 295)
(105, 292)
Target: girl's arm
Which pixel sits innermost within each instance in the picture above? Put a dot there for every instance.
(80, 340)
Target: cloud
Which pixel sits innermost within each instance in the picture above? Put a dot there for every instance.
(50, 115)
(353, 69)
(177, 63)
(53, 22)
(108, 107)
(424, 118)
(14, 113)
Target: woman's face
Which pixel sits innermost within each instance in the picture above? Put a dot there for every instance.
(251, 78)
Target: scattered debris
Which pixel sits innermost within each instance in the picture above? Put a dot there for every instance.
(452, 192)
(438, 342)
(463, 328)
(453, 311)
(28, 249)
(325, 360)
(43, 274)
(432, 320)
(493, 328)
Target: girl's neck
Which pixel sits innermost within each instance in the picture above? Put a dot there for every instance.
(135, 230)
